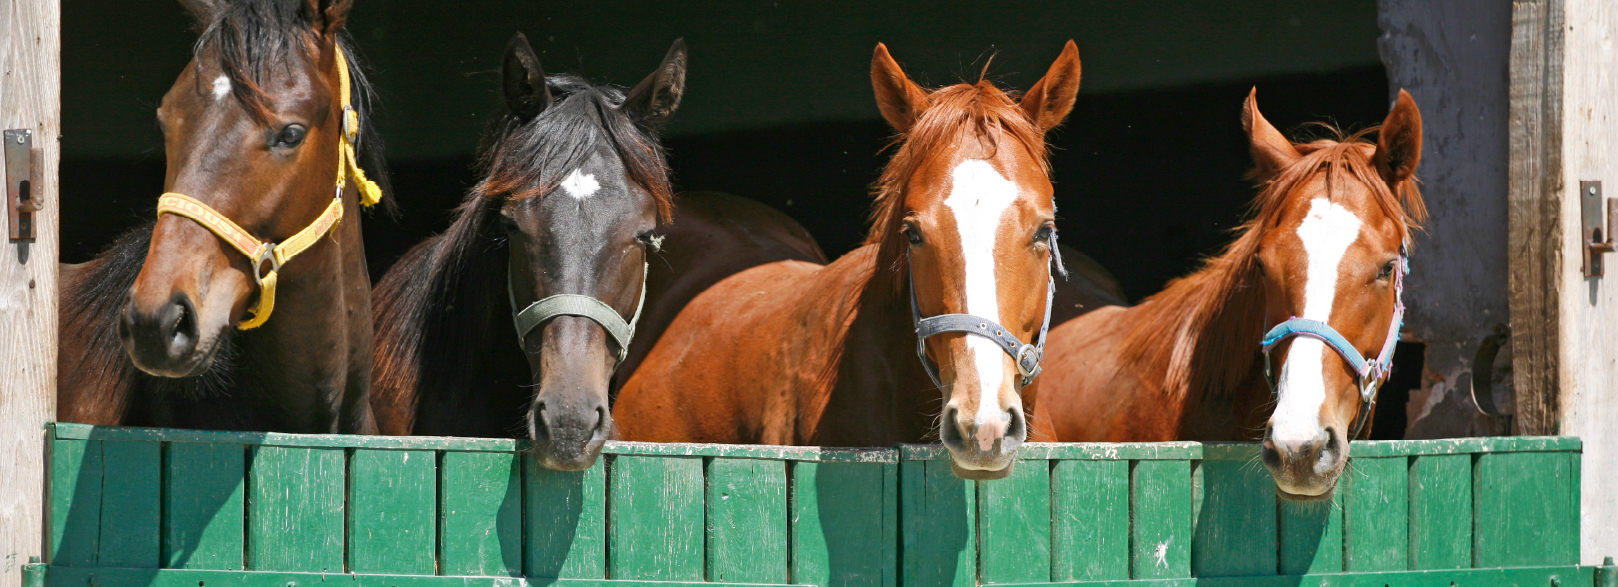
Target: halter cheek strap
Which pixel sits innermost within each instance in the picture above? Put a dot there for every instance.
(1027, 356)
(1369, 374)
(596, 310)
(275, 255)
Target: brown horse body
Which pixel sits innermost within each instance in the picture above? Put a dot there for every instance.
(1185, 364)
(235, 124)
(799, 353)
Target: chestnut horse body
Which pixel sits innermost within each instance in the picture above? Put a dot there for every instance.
(253, 130)
(799, 353)
(1326, 244)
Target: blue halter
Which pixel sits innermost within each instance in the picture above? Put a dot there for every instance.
(1369, 373)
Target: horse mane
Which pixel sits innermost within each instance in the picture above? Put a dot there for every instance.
(435, 304)
(1202, 330)
(251, 38)
(955, 114)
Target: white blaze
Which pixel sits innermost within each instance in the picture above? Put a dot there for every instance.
(580, 185)
(1327, 231)
(221, 86)
(979, 196)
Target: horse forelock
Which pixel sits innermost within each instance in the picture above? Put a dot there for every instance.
(957, 117)
(1202, 331)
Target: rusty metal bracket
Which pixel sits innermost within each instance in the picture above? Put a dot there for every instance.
(1596, 231)
(22, 195)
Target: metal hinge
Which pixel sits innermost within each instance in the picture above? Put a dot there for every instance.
(23, 197)
(1596, 234)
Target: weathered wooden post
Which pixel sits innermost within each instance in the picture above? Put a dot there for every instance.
(30, 103)
(1564, 323)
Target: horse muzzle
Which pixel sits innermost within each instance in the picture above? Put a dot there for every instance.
(1305, 469)
(166, 340)
(982, 450)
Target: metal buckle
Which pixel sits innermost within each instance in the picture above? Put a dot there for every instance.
(1028, 358)
(266, 252)
(351, 119)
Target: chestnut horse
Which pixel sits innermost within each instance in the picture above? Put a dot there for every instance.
(1320, 266)
(798, 353)
(257, 146)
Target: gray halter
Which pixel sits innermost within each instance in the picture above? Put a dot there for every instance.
(596, 310)
(1027, 356)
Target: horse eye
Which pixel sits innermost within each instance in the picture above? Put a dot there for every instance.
(1387, 270)
(290, 136)
(911, 234)
(1044, 233)
(653, 241)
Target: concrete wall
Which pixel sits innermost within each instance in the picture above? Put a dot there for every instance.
(1452, 56)
(1589, 308)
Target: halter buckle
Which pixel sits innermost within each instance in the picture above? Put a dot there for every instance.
(1028, 358)
(266, 252)
(351, 124)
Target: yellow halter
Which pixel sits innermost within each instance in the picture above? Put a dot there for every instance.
(261, 252)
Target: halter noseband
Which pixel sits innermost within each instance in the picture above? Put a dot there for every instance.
(597, 311)
(261, 252)
(1369, 374)
(1027, 356)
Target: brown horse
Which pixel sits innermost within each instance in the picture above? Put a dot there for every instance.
(255, 131)
(798, 353)
(1325, 248)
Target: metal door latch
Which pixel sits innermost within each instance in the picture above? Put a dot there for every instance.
(22, 199)
(1597, 235)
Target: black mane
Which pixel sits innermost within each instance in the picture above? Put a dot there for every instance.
(443, 306)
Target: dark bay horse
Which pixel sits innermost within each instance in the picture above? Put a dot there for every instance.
(576, 190)
(1319, 266)
(799, 353)
(173, 325)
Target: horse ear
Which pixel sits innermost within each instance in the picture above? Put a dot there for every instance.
(202, 12)
(524, 82)
(900, 100)
(1272, 152)
(1398, 146)
(335, 15)
(1052, 97)
(653, 99)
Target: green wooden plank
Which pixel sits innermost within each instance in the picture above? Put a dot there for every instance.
(938, 512)
(76, 481)
(1441, 512)
(203, 505)
(295, 509)
(1087, 451)
(131, 522)
(747, 521)
(392, 511)
(890, 524)
(1446, 446)
(1090, 532)
(1014, 525)
(567, 521)
(1376, 526)
(837, 516)
(819, 454)
(1311, 535)
(1235, 524)
(1160, 512)
(480, 513)
(1525, 509)
(654, 518)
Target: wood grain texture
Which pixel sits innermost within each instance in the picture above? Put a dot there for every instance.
(1534, 213)
(295, 509)
(1376, 515)
(392, 512)
(567, 521)
(1014, 525)
(75, 502)
(1090, 526)
(1525, 510)
(838, 536)
(1311, 536)
(30, 98)
(654, 524)
(203, 495)
(1236, 527)
(747, 521)
(1160, 515)
(939, 513)
(1441, 512)
(132, 486)
(480, 512)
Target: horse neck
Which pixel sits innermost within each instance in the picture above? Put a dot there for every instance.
(1197, 343)
(876, 391)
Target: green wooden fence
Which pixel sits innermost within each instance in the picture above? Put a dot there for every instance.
(133, 507)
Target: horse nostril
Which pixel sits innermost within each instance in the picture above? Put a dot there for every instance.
(179, 325)
(949, 429)
(601, 418)
(537, 428)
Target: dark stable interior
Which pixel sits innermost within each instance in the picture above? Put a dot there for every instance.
(1148, 168)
